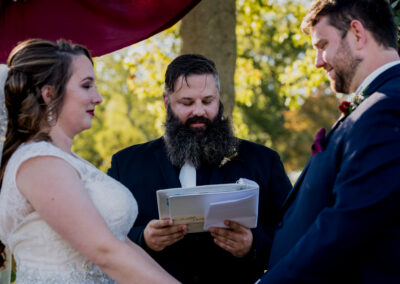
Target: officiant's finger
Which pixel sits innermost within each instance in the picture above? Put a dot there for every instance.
(220, 232)
(226, 240)
(222, 243)
(171, 239)
(161, 223)
(234, 226)
(216, 229)
(237, 249)
(237, 233)
(166, 231)
(157, 238)
(163, 240)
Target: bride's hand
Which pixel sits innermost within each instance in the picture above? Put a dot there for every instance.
(159, 234)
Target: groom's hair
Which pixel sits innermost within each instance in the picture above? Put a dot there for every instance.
(188, 64)
(375, 15)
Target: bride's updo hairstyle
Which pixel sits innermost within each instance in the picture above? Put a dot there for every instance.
(33, 64)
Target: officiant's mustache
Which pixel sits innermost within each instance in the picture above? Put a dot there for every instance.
(198, 119)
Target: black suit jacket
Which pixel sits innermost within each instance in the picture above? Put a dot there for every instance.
(145, 168)
(342, 218)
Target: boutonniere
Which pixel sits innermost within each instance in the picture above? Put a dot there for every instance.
(347, 107)
(318, 144)
(232, 155)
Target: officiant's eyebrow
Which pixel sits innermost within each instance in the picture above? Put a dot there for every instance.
(191, 99)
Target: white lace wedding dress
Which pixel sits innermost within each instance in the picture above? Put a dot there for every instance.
(42, 256)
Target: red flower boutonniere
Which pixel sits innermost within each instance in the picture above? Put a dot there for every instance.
(232, 155)
(347, 107)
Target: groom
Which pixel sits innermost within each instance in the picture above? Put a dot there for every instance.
(198, 148)
(341, 221)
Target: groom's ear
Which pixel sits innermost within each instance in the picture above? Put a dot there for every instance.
(47, 93)
(359, 34)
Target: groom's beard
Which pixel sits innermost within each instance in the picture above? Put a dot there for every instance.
(199, 146)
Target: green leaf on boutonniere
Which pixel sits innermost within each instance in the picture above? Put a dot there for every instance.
(232, 155)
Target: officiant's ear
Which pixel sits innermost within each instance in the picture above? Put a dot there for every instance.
(166, 100)
(47, 93)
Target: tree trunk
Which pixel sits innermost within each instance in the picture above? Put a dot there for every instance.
(209, 29)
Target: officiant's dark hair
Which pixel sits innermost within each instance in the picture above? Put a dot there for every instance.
(188, 64)
(33, 64)
(375, 15)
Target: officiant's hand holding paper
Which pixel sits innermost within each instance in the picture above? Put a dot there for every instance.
(209, 205)
(242, 211)
(237, 239)
(159, 234)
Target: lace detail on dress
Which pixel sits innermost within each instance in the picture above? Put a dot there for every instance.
(88, 274)
(41, 254)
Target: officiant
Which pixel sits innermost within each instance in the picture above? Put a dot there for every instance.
(199, 148)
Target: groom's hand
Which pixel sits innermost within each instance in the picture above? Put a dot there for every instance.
(159, 234)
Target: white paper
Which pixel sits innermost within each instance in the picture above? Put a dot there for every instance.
(191, 205)
(243, 211)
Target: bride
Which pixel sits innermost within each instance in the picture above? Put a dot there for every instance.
(64, 220)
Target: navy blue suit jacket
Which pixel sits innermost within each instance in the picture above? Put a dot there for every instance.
(341, 221)
(196, 258)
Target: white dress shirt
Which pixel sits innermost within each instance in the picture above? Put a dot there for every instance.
(187, 175)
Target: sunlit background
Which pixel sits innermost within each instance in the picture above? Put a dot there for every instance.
(281, 100)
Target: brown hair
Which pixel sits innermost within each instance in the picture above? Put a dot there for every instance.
(33, 64)
(188, 64)
(375, 15)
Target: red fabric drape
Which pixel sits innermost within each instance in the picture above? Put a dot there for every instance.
(101, 25)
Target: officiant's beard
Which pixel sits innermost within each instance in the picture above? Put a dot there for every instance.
(199, 146)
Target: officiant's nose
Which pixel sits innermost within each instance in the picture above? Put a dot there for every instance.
(198, 109)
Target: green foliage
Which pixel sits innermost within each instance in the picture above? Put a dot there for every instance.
(281, 98)
(268, 40)
(276, 80)
(396, 11)
(131, 83)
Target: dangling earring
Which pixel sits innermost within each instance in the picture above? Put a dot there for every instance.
(50, 115)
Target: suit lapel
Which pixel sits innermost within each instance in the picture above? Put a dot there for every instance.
(168, 171)
(382, 79)
(225, 173)
(217, 176)
(334, 127)
(295, 188)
